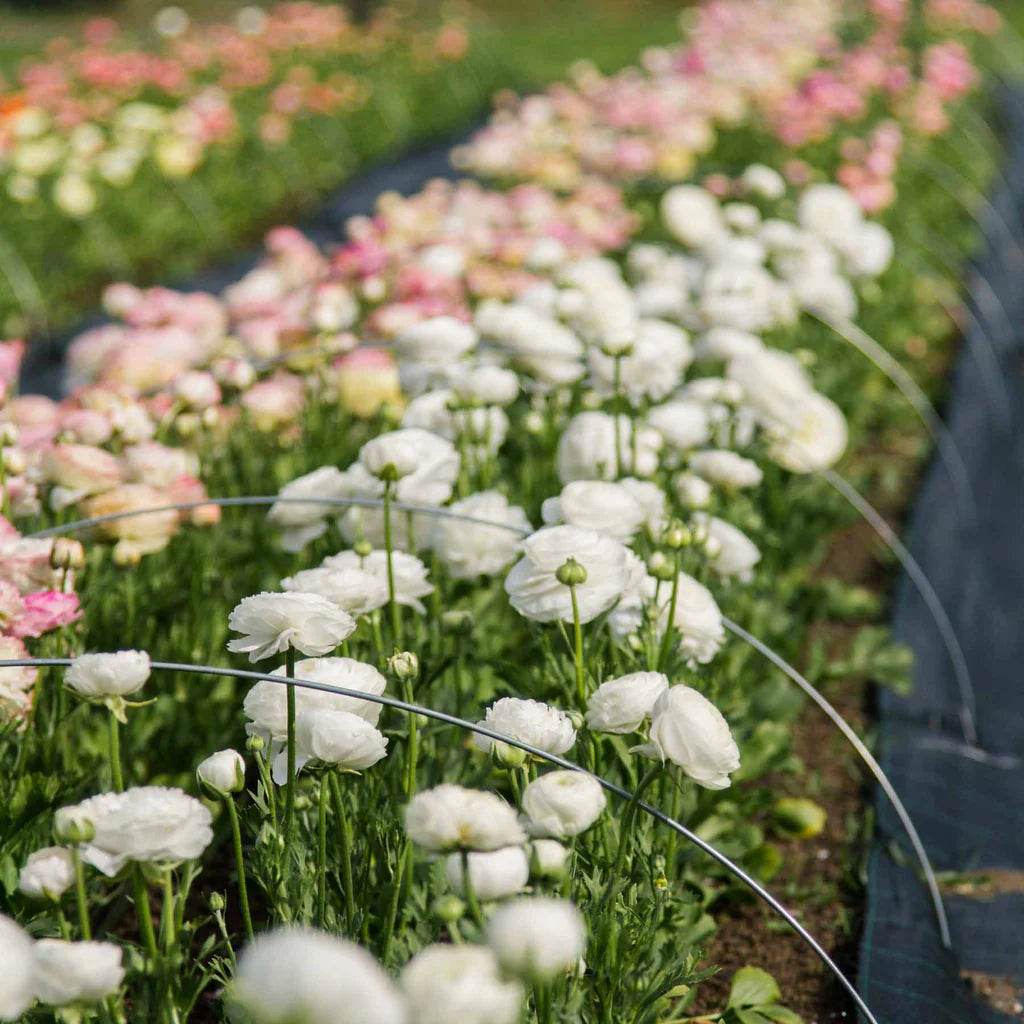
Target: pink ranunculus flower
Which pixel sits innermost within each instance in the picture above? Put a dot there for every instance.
(16, 683)
(188, 489)
(45, 611)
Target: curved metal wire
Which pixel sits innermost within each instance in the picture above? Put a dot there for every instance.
(270, 499)
(554, 759)
(869, 759)
(894, 370)
(968, 703)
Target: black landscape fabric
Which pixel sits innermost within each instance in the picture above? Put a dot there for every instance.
(966, 798)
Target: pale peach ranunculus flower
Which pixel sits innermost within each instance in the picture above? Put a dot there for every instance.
(367, 379)
(137, 534)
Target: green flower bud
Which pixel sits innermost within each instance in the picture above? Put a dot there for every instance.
(676, 536)
(798, 818)
(458, 621)
(362, 547)
(216, 902)
(571, 573)
(448, 908)
(403, 666)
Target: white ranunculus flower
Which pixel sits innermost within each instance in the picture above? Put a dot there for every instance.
(118, 674)
(721, 344)
(408, 571)
(548, 858)
(764, 182)
(772, 383)
(688, 730)
(725, 468)
(271, 623)
(530, 721)
(691, 490)
(698, 620)
(73, 194)
(598, 505)
(302, 976)
(494, 875)
(340, 739)
(300, 523)
(490, 385)
(537, 937)
(739, 295)
(829, 211)
(450, 817)
(652, 499)
(682, 423)
(622, 705)
(439, 340)
(732, 552)
(17, 989)
(742, 217)
(223, 771)
(147, 824)
(468, 549)
(827, 295)
(586, 449)
(813, 438)
(869, 252)
(537, 342)
(354, 590)
(536, 593)
(407, 452)
(76, 972)
(48, 873)
(652, 368)
(459, 985)
(266, 704)
(692, 215)
(563, 804)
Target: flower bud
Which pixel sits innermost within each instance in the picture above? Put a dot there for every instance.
(363, 548)
(8, 434)
(448, 908)
(47, 874)
(676, 536)
(188, 424)
(73, 831)
(67, 554)
(216, 902)
(534, 423)
(548, 858)
(223, 772)
(458, 621)
(571, 573)
(404, 666)
(255, 743)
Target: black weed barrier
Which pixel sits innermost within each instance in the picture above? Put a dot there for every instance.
(967, 797)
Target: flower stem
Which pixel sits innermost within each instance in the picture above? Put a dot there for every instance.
(169, 933)
(143, 912)
(670, 625)
(345, 828)
(577, 628)
(396, 620)
(396, 891)
(321, 864)
(414, 743)
(467, 884)
(616, 409)
(243, 892)
(117, 779)
(83, 905)
(289, 793)
(627, 823)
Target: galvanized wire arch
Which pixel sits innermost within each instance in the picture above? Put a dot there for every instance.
(440, 716)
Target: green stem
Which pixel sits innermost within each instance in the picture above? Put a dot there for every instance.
(467, 884)
(321, 864)
(396, 620)
(616, 386)
(577, 628)
(115, 755)
(627, 823)
(83, 905)
(289, 793)
(414, 743)
(666, 640)
(392, 912)
(345, 827)
(143, 913)
(169, 932)
(243, 892)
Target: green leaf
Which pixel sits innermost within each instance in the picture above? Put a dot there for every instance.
(752, 987)
(780, 1014)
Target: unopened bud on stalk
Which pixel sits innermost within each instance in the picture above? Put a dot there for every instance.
(448, 908)
(660, 567)
(534, 422)
(73, 831)
(570, 573)
(403, 666)
(8, 434)
(188, 424)
(362, 547)
(618, 346)
(216, 902)
(223, 772)
(457, 620)
(67, 554)
(255, 743)
(676, 536)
